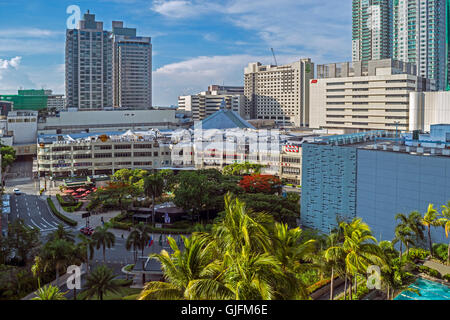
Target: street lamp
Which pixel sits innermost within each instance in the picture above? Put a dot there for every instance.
(396, 128)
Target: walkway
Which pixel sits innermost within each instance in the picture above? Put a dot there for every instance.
(443, 269)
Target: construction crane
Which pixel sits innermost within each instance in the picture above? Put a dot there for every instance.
(273, 52)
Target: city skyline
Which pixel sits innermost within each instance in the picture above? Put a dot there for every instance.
(190, 49)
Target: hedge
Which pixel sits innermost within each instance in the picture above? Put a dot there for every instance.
(446, 277)
(429, 271)
(59, 215)
(66, 203)
(72, 208)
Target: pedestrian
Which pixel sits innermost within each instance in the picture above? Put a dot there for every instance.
(103, 222)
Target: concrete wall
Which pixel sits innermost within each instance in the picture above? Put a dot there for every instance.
(390, 182)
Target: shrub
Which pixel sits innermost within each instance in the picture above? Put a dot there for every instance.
(418, 254)
(59, 215)
(446, 277)
(120, 225)
(440, 250)
(316, 286)
(429, 271)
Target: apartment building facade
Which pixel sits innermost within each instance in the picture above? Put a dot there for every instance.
(371, 30)
(348, 98)
(132, 68)
(279, 93)
(101, 153)
(420, 37)
(208, 102)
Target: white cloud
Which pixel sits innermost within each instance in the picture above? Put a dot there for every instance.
(29, 33)
(12, 77)
(183, 8)
(194, 75)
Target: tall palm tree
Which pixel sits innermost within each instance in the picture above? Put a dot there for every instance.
(294, 257)
(133, 242)
(414, 222)
(359, 248)
(49, 293)
(445, 222)
(61, 234)
(58, 254)
(101, 281)
(404, 235)
(87, 248)
(429, 220)
(153, 187)
(334, 260)
(103, 238)
(37, 269)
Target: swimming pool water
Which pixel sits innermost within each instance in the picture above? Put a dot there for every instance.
(428, 289)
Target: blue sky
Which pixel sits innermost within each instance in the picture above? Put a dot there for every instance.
(195, 42)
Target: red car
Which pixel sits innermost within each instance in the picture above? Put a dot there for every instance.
(88, 231)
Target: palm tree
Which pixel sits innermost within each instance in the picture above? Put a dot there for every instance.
(49, 293)
(445, 222)
(429, 220)
(294, 258)
(101, 281)
(335, 262)
(179, 268)
(37, 269)
(61, 234)
(404, 235)
(359, 249)
(414, 222)
(87, 248)
(58, 254)
(103, 238)
(154, 187)
(133, 242)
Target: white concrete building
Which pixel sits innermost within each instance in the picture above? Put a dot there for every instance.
(279, 93)
(206, 103)
(428, 108)
(108, 120)
(347, 98)
(86, 154)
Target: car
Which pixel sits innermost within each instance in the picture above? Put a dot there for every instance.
(17, 191)
(88, 231)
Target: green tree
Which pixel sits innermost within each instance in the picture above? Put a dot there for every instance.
(58, 254)
(192, 193)
(103, 238)
(8, 156)
(404, 235)
(180, 268)
(100, 281)
(430, 219)
(87, 249)
(445, 222)
(61, 234)
(359, 248)
(154, 187)
(414, 222)
(49, 293)
(22, 240)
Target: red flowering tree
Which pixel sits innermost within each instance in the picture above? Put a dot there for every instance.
(261, 183)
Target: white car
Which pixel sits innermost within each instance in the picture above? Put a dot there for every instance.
(17, 191)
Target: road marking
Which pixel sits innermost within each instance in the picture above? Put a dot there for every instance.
(35, 224)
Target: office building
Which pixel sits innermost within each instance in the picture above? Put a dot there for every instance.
(347, 98)
(279, 93)
(371, 30)
(132, 68)
(85, 154)
(420, 37)
(374, 176)
(89, 65)
(208, 102)
(428, 108)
